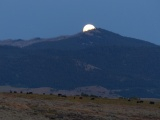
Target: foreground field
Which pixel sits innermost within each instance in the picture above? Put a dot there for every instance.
(50, 107)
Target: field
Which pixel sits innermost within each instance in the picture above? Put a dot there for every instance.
(16, 106)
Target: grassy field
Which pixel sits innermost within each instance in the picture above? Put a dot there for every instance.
(51, 107)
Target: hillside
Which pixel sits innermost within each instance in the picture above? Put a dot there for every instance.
(95, 58)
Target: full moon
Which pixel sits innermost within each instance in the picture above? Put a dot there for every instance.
(88, 27)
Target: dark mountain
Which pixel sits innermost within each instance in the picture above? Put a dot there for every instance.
(97, 57)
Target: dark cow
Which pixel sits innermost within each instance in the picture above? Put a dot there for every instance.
(10, 91)
(151, 102)
(92, 98)
(59, 95)
(140, 101)
(15, 92)
(80, 97)
(29, 93)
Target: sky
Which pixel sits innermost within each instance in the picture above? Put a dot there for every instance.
(26, 19)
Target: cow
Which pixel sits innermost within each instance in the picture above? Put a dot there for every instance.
(29, 93)
(15, 92)
(92, 98)
(140, 101)
(80, 97)
(10, 91)
(151, 102)
(59, 95)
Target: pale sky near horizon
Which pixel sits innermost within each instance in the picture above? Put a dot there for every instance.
(26, 19)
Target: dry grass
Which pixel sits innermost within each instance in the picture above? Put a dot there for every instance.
(48, 107)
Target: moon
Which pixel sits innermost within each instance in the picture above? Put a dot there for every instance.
(88, 27)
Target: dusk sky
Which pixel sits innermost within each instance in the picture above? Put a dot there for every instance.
(26, 19)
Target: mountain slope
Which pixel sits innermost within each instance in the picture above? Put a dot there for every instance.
(97, 57)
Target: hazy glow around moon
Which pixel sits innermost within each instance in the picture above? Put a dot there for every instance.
(88, 27)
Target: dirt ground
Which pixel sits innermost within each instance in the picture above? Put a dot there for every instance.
(49, 107)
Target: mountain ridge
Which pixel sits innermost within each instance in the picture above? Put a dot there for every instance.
(110, 39)
(97, 37)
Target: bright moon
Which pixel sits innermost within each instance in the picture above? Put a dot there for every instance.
(88, 27)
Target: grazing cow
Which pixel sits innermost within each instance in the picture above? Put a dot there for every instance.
(29, 92)
(15, 92)
(59, 95)
(80, 97)
(92, 98)
(140, 101)
(151, 102)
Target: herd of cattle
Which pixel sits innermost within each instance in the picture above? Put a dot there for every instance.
(141, 101)
(59, 95)
(80, 97)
